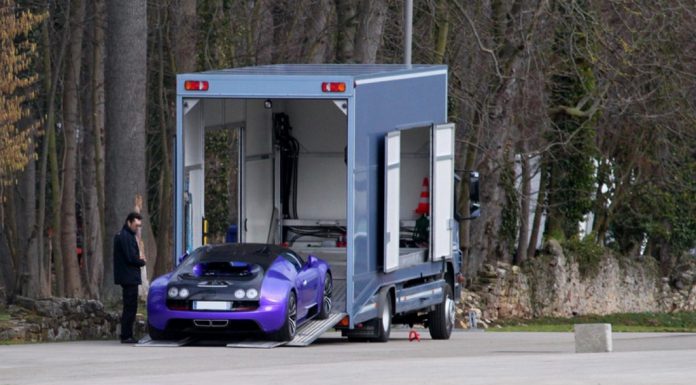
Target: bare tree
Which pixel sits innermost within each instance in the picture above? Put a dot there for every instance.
(92, 152)
(71, 117)
(368, 37)
(125, 80)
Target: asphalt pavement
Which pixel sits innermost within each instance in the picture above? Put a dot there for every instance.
(469, 358)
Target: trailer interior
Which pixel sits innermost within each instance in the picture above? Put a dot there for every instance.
(292, 177)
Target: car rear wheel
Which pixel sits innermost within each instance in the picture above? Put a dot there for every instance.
(326, 301)
(289, 329)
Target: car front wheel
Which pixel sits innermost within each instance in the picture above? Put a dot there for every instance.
(158, 334)
(289, 329)
(326, 304)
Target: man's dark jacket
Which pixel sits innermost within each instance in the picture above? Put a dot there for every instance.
(127, 260)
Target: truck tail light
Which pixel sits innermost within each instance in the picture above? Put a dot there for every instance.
(333, 87)
(196, 85)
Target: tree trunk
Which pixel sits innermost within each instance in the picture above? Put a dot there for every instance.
(184, 42)
(261, 33)
(93, 249)
(316, 45)
(600, 203)
(51, 86)
(442, 30)
(29, 281)
(184, 35)
(523, 242)
(368, 38)
(486, 242)
(54, 232)
(466, 160)
(8, 244)
(346, 27)
(71, 101)
(538, 210)
(126, 80)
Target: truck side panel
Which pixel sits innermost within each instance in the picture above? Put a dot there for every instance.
(381, 107)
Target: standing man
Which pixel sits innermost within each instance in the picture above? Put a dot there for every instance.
(127, 264)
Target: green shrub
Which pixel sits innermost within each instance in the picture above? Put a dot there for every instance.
(586, 253)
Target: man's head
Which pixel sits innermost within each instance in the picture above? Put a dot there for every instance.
(134, 221)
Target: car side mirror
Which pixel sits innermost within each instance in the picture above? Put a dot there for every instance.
(181, 258)
(311, 261)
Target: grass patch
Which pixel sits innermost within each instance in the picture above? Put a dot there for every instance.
(622, 322)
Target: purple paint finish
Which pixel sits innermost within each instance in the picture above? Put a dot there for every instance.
(285, 272)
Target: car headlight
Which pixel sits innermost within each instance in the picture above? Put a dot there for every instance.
(183, 293)
(173, 292)
(239, 294)
(252, 293)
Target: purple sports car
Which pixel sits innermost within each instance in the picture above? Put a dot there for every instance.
(239, 288)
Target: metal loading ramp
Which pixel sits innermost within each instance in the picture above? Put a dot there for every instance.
(149, 342)
(312, 330)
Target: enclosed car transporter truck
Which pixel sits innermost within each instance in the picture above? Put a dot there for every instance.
(351, 163)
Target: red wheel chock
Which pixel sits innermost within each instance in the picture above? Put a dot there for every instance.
(413, 336)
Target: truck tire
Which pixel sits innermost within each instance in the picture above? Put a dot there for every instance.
(383, 323)
(441, 319)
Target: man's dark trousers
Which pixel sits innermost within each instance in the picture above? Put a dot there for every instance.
(130, 307)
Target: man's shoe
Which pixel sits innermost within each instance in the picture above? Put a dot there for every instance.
(129, 341)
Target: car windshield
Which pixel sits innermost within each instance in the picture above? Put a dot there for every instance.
(229, 260)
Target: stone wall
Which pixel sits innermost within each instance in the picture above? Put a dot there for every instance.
(551, 285)
(61, 319)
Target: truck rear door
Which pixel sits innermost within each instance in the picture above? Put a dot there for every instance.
(392, 173)
(442, 205)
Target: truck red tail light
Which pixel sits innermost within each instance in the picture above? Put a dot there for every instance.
(196, 85)
(333, 87)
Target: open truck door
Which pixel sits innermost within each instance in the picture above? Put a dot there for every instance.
(442, 207)
(392, 173)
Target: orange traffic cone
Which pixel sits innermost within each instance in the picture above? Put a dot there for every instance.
(424, 203)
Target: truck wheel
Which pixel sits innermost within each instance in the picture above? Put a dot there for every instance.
(441, 320)
(289, 329)
(383, 323)
(326, 304)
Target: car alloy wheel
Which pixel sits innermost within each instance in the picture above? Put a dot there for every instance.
(292, 315)
(328, 292)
